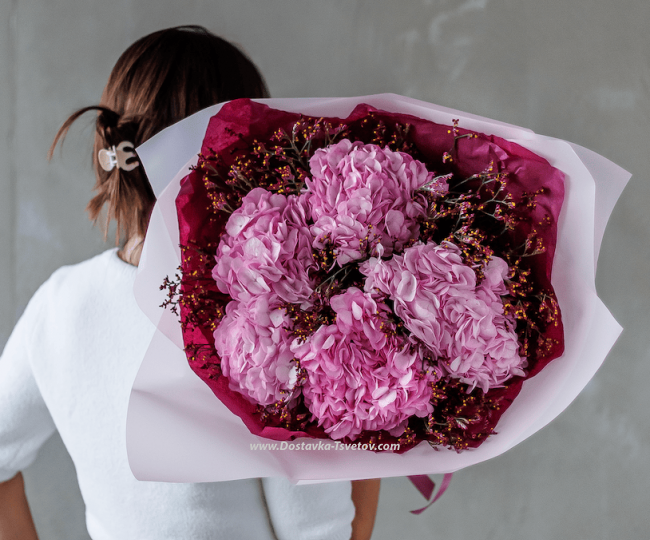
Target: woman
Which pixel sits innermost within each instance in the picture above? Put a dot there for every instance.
(73, 355)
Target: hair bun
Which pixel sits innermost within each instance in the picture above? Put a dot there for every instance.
(107, 126)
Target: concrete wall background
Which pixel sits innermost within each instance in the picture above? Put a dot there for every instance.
(576, 70)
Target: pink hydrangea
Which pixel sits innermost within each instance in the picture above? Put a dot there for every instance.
(253, 343)
(358, 378)
(463, 324)
(360, 195)
(266, 248)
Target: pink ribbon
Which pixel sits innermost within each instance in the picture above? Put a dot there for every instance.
(425, 486)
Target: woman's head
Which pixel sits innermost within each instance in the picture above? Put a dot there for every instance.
(159, 80)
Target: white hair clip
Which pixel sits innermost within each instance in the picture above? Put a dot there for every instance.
(114, 156)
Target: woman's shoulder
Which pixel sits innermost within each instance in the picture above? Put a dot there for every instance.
(76, 299)
(104, 275)
(104, 265)
(82, 304)
(104, 268)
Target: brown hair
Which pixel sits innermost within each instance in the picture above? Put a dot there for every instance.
(159, 80)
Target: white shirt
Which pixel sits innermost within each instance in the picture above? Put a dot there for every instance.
(69, 365)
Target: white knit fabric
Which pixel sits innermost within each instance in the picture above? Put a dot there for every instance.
(69, 365)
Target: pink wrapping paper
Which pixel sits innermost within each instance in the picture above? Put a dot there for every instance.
(178, 431)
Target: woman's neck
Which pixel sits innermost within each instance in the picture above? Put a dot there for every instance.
(131, 251)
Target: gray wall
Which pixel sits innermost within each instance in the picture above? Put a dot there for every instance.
(577, 70)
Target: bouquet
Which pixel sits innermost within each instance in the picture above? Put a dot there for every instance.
(375, 280)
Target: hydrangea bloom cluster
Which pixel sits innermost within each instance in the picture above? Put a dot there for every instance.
(267, 249)
(363, 369)
(437, 297)
(361, 195)
(253, 341)
(358, 378)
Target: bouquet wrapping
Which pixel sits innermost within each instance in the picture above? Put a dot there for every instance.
(370, 272)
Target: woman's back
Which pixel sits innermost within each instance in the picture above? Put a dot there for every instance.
(75, 353)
